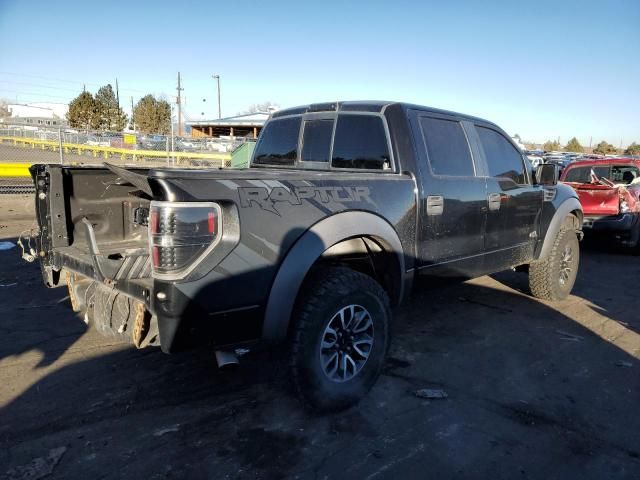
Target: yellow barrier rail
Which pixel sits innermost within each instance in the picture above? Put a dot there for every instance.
(14, 170)
(108, 152)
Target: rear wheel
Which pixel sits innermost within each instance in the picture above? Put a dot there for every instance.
(554, 277)
(339, 338)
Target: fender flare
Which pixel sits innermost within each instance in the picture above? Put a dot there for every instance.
(304, 253)
(571, 204)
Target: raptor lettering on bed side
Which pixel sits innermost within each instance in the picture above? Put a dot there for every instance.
(267, 198)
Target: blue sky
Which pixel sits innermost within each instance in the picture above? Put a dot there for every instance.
(541, 69)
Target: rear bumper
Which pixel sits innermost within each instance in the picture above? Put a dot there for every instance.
(611, 223)
(181, 319)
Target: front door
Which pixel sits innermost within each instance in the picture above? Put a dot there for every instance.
(513, 203)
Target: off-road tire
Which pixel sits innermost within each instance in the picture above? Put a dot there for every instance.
(544, 275)
(323, 295)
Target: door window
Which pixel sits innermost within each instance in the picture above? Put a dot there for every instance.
(447, 147)
(278, 144)
(360, 142)
(503, 160)
(624, 174)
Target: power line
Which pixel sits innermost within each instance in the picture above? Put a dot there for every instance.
(27, 84)
(52, 79)
(45, 78)
(14, 93)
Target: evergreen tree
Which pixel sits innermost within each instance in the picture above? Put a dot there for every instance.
(82, 112)
(574, 146)
(111, 116)
(551, 146)
(152, 115)
(633, 149)
(604, 148)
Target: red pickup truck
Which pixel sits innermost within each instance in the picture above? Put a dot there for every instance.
(609, 191)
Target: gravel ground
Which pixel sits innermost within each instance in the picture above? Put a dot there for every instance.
(535, 390)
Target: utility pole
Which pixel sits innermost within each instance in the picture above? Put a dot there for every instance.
(133, 121)
(217, 78)
(179, 103)
(117, 102)
(117, 94)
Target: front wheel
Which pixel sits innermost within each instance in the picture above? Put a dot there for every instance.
(554, 277)
(339, 339)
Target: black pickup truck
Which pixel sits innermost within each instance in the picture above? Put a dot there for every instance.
(343, 207)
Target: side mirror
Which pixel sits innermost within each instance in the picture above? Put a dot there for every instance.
(547, 174)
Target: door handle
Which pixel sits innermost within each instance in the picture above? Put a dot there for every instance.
(435, 205)
(494, 200)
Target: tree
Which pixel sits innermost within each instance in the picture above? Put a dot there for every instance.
(82, 112)
(633, 149)
(260, 107)
(550, 146)
(152, 115)
(111, 116)
(604, 148)
(4, 108)
(574, 146)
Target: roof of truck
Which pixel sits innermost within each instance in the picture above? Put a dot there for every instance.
(605, 161)
(376, 106)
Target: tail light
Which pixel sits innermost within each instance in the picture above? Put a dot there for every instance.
(181, 234)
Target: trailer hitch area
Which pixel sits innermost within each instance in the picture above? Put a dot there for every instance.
(94, 251)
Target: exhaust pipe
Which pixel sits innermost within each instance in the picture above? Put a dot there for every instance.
(226, 359)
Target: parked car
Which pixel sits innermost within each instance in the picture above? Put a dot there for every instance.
(152, 142)
(344, 207)
(609, 190)
(560, 162)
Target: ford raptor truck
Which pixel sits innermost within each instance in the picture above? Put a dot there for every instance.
(343, 207)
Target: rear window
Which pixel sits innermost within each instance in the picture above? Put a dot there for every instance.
(360, 142)
(447, 147)
(316, 140)
(278, 144)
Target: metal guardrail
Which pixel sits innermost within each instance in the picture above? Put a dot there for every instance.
(109, 152)
(15, 170)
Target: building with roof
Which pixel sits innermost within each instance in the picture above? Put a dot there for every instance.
(38, 110)
(38, 114)
(248, 125)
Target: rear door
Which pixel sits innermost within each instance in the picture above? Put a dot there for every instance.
(452, 197)
(513, 202)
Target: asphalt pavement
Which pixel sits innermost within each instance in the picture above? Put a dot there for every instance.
(533, 390)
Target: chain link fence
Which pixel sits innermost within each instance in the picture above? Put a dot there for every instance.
(20, 144)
